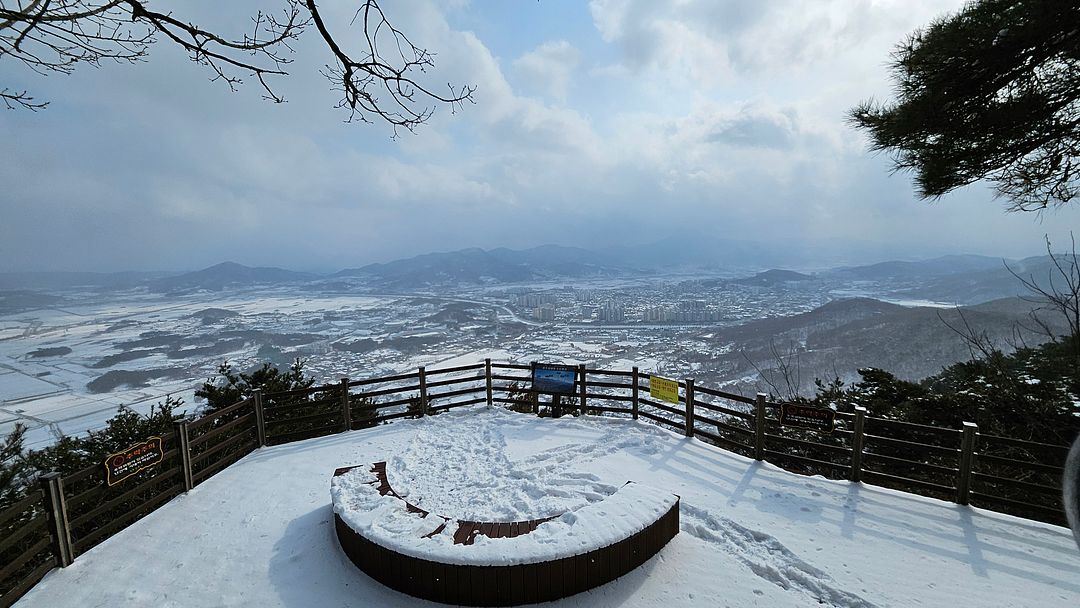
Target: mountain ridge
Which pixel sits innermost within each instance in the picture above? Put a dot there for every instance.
(227, 274)
(476, 265)
(963, 278)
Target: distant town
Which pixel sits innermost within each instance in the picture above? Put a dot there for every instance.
(73, 349)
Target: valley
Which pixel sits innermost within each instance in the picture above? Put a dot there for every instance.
(70, 356)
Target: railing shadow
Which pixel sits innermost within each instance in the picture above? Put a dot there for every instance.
(887, 517)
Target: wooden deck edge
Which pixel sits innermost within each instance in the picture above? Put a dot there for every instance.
(473, 585)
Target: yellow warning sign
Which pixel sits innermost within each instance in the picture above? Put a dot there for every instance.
(663, 388)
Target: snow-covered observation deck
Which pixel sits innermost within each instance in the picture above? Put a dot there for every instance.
(495, 563)
(261, 532)
(237, 511)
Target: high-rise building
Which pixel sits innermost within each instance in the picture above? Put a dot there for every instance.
(544, 313)
(612, 312)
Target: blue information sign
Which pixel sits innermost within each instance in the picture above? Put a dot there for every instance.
(555, 379)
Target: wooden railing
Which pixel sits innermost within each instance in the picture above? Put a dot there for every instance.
(1010, 475)
(65, 516)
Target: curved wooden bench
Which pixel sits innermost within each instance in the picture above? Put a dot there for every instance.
(438, 576)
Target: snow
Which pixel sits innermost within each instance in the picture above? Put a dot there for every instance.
(261, 532)
(472, 478)
(15, 386)
(385, 521)
(917, 303)
(1071, 489)
(50, 395)
(470, 358)
(643, 364)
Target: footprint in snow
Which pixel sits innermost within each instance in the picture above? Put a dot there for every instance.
(768, 558)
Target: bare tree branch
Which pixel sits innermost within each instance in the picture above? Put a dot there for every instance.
(363, 79)
(789, 368)
(380, 83)
(775, 389)
(16, 99)
(1061, 292)
(978, 343)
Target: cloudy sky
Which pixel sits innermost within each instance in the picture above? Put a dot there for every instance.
(595, 124)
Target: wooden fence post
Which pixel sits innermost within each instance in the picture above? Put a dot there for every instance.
(689, 407)
(535, 396)
(423, 391)
(487, 374)
(967, 459)
(52, 485)
(634, 396)
(581, 370)
(260, 419)
(759, 430)
(857, 444)
(346, 411)
(184, 447)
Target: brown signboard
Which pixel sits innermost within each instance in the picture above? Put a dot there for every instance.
(804, 416)
(122, 465)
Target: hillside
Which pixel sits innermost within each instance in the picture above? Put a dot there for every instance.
(797, 327)
(936, 267)
(845, 335)
(960, 278)
(915, 342)
(261, 532)
(479, 266)
(226, 275)
(991, 283)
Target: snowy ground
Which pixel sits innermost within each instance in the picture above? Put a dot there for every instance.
(50, 393)
(261, 534)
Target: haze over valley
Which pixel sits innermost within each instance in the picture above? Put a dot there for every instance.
(75, 346)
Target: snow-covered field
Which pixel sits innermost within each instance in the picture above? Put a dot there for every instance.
(261, 532)
(51, 358)
(50, 393)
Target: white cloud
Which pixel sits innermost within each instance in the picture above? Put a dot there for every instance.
(715, 41)
(549, 67)
(725, 116)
